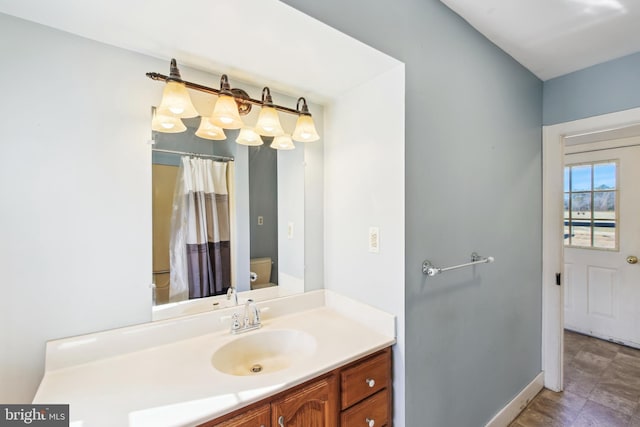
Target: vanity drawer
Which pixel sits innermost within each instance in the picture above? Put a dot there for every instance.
(373, 411)
(365, 378)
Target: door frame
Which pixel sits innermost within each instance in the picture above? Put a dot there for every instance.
(552, 243)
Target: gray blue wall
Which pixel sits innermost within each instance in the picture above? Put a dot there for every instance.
(604, 88)
(263, 201)
(473, 183)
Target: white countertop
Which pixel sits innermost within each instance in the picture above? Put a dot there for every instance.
(173, 383)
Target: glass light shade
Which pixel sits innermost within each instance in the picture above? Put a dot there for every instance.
(225, 113)
(268, 122)
(305, 129)
(282, 142)
(167, 124)
(249, 136)
(208, 130)
(176, 101)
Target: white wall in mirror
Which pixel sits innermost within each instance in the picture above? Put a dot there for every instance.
(77, 232)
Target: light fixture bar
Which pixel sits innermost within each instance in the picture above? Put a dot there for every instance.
(213, 91)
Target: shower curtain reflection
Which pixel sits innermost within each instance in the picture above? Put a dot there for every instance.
(199, 252)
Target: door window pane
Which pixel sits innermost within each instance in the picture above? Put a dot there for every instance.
(604, 204)
(581, 178)
(581, 236)
(604, 176)
(581, 205)
(590, 215)
(604, 235)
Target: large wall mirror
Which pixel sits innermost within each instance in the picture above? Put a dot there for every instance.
(266, 202)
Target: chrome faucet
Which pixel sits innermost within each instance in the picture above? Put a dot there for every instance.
(232, 291)
(250, 321)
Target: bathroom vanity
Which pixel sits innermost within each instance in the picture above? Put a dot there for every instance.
(358, 394)
(319, 359)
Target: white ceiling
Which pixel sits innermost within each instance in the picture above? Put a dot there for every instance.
(549, 37)
(290, 51)
(555, 37)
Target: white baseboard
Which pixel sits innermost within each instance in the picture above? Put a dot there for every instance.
(513, 408)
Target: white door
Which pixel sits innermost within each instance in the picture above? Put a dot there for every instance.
(602, 237)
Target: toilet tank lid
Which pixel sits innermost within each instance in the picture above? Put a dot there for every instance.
(260, 260)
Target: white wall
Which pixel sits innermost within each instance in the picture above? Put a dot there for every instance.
(75, 222)
(314, 210)
(364, 187)
(291, 211)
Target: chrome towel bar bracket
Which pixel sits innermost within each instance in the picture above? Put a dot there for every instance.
(431, 270)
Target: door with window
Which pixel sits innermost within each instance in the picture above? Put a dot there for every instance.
(602, 240)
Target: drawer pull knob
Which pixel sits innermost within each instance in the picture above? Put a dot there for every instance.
(370, 382)
(370, 422)
(281, 421)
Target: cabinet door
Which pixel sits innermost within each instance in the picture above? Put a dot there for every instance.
(259, 417)
(315, 405)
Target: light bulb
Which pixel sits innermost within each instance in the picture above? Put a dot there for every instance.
(305, 130)
(176, 101)
(282, 142)
(225, 113)
(268, 122)
(167, 124)
(208, 130)
(249, 136)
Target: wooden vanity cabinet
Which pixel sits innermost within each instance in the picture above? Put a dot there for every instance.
(365, 392)
(315, 405)
(312, 404)
(356, 395)
(257, 417)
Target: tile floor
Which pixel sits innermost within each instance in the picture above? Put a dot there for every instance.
(601, 388)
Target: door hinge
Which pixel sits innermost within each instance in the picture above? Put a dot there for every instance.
(558, 277)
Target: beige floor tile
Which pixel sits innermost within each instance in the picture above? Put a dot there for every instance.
(595, 415)
(602, 388)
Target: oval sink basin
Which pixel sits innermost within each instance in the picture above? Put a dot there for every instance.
(263, 352)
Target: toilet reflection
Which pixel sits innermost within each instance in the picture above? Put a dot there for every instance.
(261, 273)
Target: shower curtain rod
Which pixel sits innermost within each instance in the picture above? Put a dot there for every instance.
(187, 153)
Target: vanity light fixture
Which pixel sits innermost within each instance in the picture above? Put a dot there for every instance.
(305, 130)
(248, 136)
(232, 103)
(175, 97)
(268, 120)
(282, 142)
(165, 123)
(208, 130)
(225, 113)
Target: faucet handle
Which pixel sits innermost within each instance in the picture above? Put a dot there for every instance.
(252, 309)
(232, 292)
(235, 322)
(256, 315)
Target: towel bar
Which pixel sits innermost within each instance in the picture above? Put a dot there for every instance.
(430, 270)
